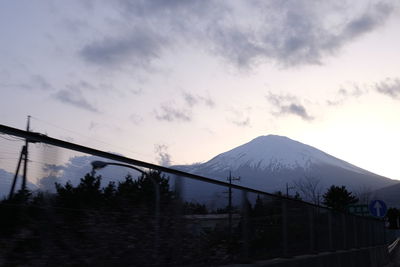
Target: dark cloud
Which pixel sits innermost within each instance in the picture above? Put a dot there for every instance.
(288, 105)
(155, 7)
(296, 109)
(240, 48)
(297, 32)
(368, 21)
(74, 96)
(168, 112)
(389, 87)
(292, 32)
(163, 157)
(139, 48)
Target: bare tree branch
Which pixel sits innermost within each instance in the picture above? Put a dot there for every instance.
(309, 188)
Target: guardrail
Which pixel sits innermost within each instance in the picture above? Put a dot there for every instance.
(393, 245)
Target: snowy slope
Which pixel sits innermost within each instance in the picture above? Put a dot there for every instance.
(275, 152)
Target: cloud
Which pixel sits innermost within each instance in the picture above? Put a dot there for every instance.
(136, 91)
(288, 105)
(290, 33)
(139, 48)
(170, 113)
(296, 109)
(135, 119)
(163, 157)
(240, 118)
(52, 168)
(35, 82)
(343, 94)
(193, 100)
(40, 82)
(242, 123)
(93, 125)
(53, 172)
(368, 21)
(389, 87)
(74, 96)
(77, 167)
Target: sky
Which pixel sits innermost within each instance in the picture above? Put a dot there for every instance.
(178, 82)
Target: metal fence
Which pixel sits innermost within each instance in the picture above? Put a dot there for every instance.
(191, 220)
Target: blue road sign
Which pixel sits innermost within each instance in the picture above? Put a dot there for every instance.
(377, 208)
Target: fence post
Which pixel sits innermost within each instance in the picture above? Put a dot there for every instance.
(366, 230)
(344, 231)
(312, 229)
(355, 231)
(245, 225)
(371, 232)
(384, 233)
(179, 226)
(285, 228)
(330, 230)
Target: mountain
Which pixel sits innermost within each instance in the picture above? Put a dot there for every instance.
(269, 162)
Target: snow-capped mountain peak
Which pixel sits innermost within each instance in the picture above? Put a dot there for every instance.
(275, 152)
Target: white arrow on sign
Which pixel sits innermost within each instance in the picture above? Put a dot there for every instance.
(378, 207)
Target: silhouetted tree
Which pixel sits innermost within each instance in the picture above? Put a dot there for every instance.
(129, 193)
(338, 198)
(86, 193)
(142, 191)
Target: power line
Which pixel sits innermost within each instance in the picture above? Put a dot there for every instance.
(9, 158)
(9, 153)
(91, 138)
(12, 139)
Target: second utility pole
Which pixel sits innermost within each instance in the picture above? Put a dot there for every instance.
(23, 187)
(22, 157)
(230, 179)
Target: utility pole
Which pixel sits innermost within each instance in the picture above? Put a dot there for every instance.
(23, 187)
(22, 157)
(230, 179)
